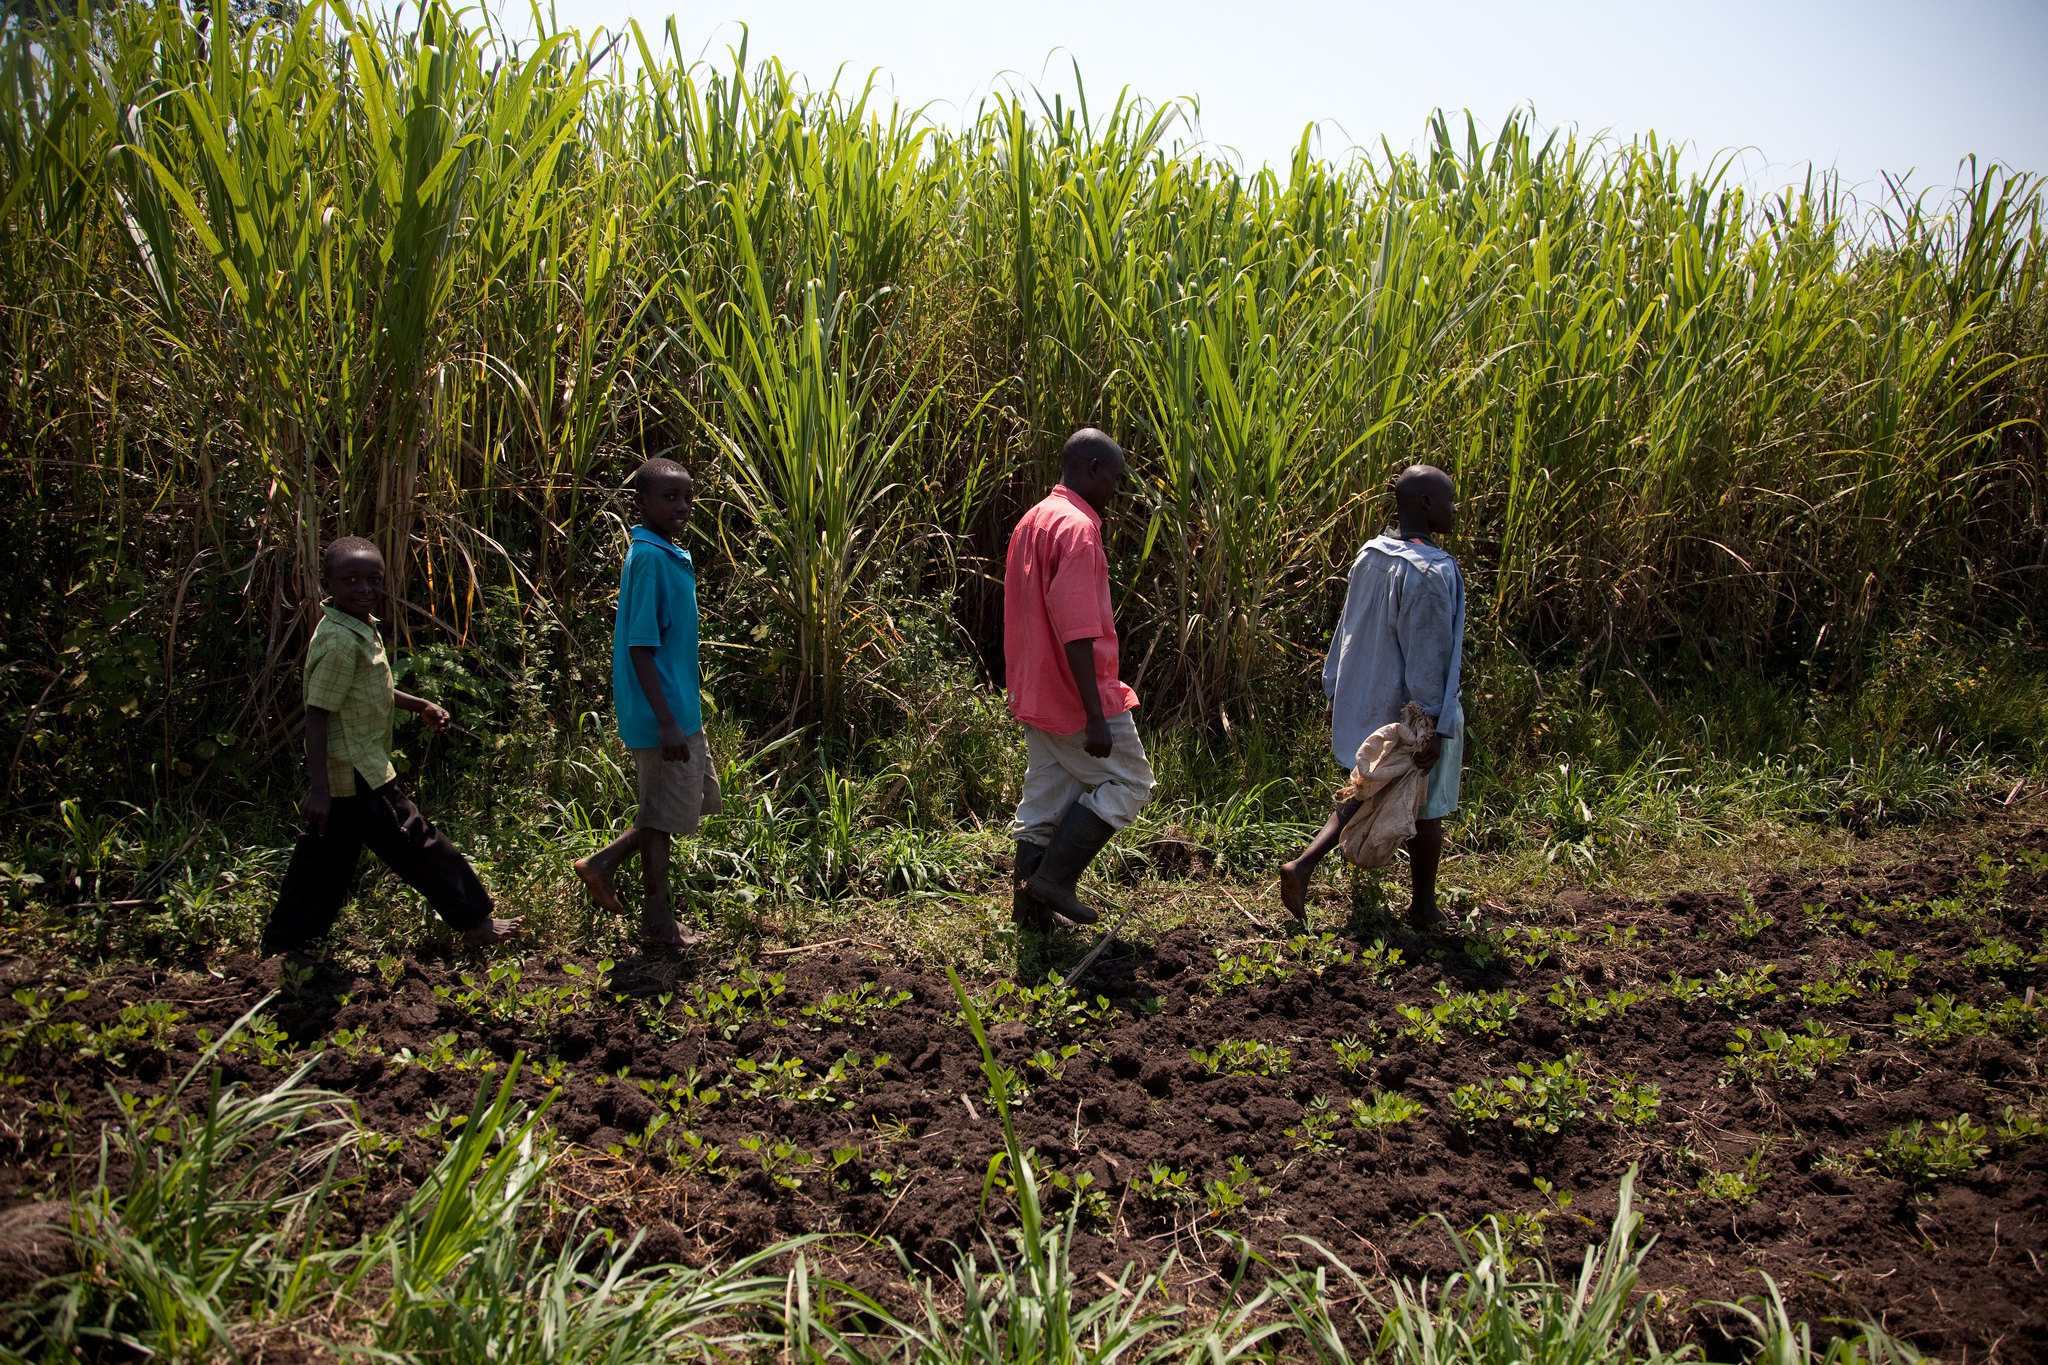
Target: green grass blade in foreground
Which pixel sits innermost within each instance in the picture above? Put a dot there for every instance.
(1781, 1341)
(221, 1213)
(1028, 1309)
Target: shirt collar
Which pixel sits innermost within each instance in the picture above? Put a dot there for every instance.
(1061, 491)
(366, 629)
(647, 537)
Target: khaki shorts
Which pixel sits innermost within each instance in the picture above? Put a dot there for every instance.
(676, 796)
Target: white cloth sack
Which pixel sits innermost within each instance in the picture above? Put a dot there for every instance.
(1390, 788)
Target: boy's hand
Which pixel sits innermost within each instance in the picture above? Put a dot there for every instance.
(435, 716)
(1097, 741)
(675, 745)
(1427, 752)
(317, 806)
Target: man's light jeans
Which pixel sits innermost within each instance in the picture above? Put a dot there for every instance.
(1059, 767)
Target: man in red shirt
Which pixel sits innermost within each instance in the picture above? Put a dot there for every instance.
(1059, 651)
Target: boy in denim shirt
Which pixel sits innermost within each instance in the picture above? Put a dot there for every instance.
(655, 689)
(1400, 640)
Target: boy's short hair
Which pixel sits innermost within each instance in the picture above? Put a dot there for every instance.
(656, 468)
(345, 545)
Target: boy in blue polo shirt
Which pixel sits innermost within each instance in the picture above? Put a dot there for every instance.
(655, 689)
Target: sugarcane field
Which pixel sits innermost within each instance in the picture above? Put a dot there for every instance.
(661, 708)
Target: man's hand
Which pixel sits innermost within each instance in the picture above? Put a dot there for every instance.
(317, 806)
(435, 716)
(1081, 664)
(1427, 752)
(675, 745)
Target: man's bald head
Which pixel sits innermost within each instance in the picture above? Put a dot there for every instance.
(1089, 444)
(1092, 465)
(1426, 499)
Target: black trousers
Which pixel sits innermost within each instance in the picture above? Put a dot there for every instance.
(323, 866)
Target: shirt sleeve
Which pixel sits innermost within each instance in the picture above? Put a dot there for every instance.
(330, 675)
(1075, 589)
(640, 602)
(1347, 626)
(1426, 627)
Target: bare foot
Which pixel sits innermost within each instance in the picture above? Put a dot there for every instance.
(666, 933)
(1293, 892)
(491, 931)
(600, 884)
(1428, 919)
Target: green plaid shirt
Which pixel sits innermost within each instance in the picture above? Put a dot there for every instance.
(348, 677)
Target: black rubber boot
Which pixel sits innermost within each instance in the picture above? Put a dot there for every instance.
(1025, 911)
(1080, 837)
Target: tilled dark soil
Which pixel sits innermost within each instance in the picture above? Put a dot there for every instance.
(1952, 1263)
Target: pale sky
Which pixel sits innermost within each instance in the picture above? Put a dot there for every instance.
(1876, 85)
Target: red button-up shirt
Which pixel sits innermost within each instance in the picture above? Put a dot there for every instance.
(1056, 589)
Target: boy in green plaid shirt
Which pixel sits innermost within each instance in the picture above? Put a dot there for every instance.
(349, 700)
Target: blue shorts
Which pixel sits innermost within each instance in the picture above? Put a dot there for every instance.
(1440, 798)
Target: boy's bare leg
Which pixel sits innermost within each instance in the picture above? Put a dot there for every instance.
(657, 920)
(491, 931)
(1425, 855)
(1294, 876)
(596, 870)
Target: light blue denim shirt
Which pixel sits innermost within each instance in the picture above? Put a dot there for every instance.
(1398, 641)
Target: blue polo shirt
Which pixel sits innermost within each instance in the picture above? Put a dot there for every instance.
(657, 608)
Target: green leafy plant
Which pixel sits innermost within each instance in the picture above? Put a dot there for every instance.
(2019, 1129)
(856, 1008)
(725, 1009)
(149, 1024)
(1633, 1104)
(1238, 1189)
(1532, 945)
(780, 1078)
(1317, 953)
(1837, 987)
(1918, 1156)
(1772, 1054)
(1050, 1007)
(1545, 1098)
(1243, 1057)
(1750, 922)
(2017, 1017)
(1740, 1186)
(1423, 1025)
(1686, 990)
(690, 1154)
(1316, 1133)
(780, 1159)
(1580, 1007)
(685, 1097)
(1353, 1056)
(1382, 1110)
(1262, 966)
(1484, 1015)
(1163, 1184)
(1741, 993)
(1047, 1065)
(36, 1029)
(1941, 1020)
(1997, 956)
(1380, 962)
(439, 1056)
